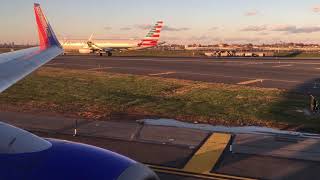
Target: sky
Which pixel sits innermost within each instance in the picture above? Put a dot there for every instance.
(187, 21)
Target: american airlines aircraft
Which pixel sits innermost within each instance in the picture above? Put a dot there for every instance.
(26, 156)
(107, 46)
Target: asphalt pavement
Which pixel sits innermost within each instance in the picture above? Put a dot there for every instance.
(180, 153)
(300, 75)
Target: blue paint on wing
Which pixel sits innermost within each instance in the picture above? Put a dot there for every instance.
(64, 160)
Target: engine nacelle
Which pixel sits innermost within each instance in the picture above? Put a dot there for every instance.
(85, 51)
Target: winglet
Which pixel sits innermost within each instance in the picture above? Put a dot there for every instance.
(47, 37)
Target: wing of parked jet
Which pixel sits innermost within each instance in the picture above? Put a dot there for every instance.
(16, 65)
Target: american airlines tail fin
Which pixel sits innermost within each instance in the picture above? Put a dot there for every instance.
(152, 37)
(47, 37)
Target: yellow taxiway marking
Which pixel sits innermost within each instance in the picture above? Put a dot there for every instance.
(285, 65)
(181, 172)
(250, 82)
(209, 153)
(159, 74)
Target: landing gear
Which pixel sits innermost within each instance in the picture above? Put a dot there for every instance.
(108, 53)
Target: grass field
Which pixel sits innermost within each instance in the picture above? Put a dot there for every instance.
(98, 95)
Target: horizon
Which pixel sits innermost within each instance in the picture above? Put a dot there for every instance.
(211, 21)
(190, 44)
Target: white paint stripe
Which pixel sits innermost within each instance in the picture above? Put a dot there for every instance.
(251, 63)
(243, 77)
(286, 65)
(159, 74)
(250, 82)
(280, 80)
(99, 68)
(192, 73)
(53, 64)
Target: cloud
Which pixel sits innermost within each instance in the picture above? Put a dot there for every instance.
(255, 28)
(107, 28)
(170, 38)
(290, 29)
(263, 33)
(316, 9)
(165, 28)
(243, 39)
(168, 28)
(251, 13)
(296, 30)
(143, 26)
(284, 28)
(213, 28)
(125, 28)
(201, 38)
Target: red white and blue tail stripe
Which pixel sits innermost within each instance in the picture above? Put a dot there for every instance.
(16, 65)
(153, 36)
(47, 37)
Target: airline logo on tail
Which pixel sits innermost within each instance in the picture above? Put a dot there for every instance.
(46, 35)
(153, 36)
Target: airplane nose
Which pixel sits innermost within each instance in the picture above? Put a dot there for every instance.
(138, 171)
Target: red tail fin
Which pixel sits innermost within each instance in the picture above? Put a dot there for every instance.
(47, 38)
(153, 36)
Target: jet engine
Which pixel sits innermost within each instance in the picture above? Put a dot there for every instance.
(26, 156)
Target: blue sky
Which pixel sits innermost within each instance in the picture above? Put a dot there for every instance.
(199, 21)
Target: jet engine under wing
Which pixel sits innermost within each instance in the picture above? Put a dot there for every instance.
(16, 65)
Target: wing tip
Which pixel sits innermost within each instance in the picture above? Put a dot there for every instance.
(47, 36)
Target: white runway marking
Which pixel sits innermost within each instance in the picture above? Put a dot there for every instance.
(243, 77)
(285, 65)
(99, 68)
(250, 82)
(159, 74)
(54, 64)
(74, 64)
(253, 63)
(192, 73)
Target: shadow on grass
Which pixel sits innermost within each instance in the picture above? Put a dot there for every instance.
(293, 108)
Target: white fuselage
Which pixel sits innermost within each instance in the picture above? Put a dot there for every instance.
(113, 44)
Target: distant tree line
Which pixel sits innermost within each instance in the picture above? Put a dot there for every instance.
(14, 46)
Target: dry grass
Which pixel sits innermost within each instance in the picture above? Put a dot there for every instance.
(98, 95)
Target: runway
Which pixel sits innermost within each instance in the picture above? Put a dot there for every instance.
(300, 75)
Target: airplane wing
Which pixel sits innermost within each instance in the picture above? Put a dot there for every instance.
(16, 65)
